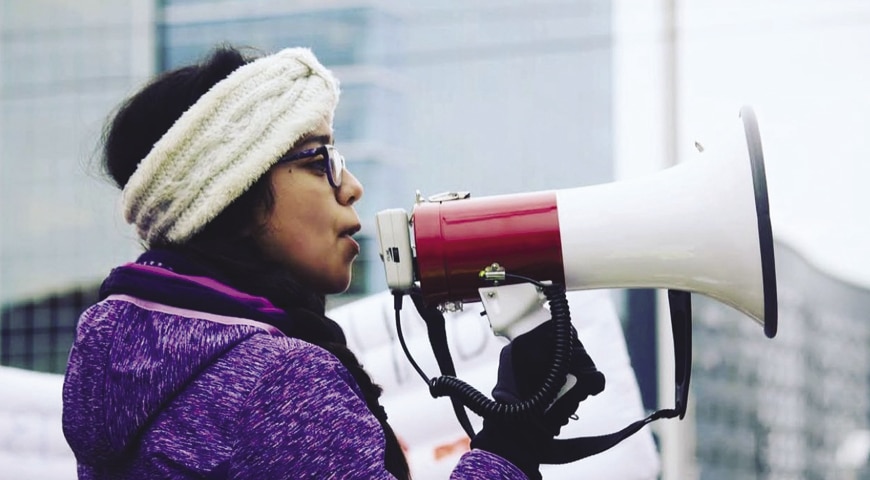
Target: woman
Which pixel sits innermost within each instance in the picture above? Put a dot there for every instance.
(210, 356)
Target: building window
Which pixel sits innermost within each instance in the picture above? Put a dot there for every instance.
(38, 334)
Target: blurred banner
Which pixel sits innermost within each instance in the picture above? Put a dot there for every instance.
(32, 446)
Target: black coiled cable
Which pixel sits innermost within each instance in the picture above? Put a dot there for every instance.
(482, 405)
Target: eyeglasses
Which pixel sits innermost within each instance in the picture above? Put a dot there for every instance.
(330, 159)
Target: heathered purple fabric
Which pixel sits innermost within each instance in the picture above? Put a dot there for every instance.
(156, 392)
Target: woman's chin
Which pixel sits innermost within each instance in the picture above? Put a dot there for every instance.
(336, 286)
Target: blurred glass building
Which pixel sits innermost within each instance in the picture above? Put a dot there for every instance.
(783, 408)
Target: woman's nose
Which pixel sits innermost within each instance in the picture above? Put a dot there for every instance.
(350, 190)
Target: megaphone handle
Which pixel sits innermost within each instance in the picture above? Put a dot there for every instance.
(563, 451)
(569, 450)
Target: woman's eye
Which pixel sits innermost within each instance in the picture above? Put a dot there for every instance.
(317, 165)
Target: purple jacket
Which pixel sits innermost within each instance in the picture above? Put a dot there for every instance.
(156, 389)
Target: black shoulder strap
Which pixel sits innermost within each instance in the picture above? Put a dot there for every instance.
(437, 331)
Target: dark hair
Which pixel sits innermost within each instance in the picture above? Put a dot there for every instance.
(227, 243)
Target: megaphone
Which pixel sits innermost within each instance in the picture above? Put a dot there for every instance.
(702, 226)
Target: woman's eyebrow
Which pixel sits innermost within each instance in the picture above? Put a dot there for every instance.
(318, 139)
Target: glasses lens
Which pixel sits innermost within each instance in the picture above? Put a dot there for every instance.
(336, 164)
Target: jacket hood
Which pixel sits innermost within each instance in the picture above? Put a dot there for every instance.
(138, 349)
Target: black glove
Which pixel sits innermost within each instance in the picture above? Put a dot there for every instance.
(522, 368)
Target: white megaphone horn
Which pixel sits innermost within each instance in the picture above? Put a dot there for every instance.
(702, 226)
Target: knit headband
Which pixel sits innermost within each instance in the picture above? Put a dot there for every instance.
(226, 141)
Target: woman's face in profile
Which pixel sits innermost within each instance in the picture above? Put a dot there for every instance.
(309, 228)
